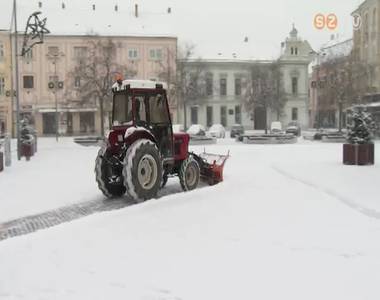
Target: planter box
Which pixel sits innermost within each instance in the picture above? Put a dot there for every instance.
(27, 150)
(359, 154)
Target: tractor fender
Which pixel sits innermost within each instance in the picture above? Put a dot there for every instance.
(133, 134)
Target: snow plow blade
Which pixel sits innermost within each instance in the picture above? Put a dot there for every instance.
(211, 166)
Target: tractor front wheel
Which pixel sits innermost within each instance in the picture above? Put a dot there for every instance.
(189, 174)
(142, 170)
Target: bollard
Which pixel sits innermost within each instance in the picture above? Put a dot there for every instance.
(7, 151)
(1, 161)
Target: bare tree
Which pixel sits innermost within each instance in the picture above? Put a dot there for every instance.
(265, 89)
(96, 68)
(187, 81)
(344, 82)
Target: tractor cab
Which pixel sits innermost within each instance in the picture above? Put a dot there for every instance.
(142, 105)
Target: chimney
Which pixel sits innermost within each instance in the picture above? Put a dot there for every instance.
(136, 10)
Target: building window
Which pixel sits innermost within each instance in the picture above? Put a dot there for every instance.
(296, 51)
(193, 85)
(223, 86)
(238, 114)
(28, 81)
(291, 50)
(294, 85)
(209, 84)
(238, 86)
(132, 53)
(194, 115)
(2, 86)
(294, 114)
(223, 115)
(155, 54)
(80, 52)
(53, 50)
(2, 53)
(210, 116)
(77, 81)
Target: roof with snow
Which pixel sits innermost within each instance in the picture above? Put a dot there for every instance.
(232, 34)
(236, 30)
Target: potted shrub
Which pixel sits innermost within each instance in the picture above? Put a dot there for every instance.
(360, 150)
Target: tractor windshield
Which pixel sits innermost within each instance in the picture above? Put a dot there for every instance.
(122, 109)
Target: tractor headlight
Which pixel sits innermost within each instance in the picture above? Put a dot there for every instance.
(120, 138)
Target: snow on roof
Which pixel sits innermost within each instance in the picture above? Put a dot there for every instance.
(225, 31)
(138, 84)
(233, 30)
(336, 47)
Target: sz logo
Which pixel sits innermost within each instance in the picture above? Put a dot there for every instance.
(322, 21)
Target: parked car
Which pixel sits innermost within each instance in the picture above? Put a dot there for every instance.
(236, 129)
(178, 128)
(217, 131)
(197, 129)
(276, 127)
(294, 128)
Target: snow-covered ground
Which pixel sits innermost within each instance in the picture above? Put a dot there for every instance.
(289, 222)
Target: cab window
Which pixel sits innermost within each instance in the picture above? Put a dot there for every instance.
(158, 110)
(122, 109)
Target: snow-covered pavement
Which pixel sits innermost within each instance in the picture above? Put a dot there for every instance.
(289, 222)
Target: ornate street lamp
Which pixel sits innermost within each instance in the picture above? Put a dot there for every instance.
(33, 35)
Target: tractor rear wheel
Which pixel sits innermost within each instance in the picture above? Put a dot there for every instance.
(189, 174)
(142, 170)
(109, 184)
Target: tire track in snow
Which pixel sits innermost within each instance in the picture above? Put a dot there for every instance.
(371, 213)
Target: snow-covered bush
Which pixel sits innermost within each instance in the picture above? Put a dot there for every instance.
(361, 128)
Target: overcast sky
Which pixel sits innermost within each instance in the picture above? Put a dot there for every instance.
(214, 26)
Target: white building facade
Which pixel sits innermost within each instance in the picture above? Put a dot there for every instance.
(223, 98)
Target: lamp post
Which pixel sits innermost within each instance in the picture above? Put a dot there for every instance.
(54, 57)
(17, 83)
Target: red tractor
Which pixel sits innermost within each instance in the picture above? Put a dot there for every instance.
(141, 151)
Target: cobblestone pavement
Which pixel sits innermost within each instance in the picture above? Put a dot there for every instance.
(58, 216)
(69, 213)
